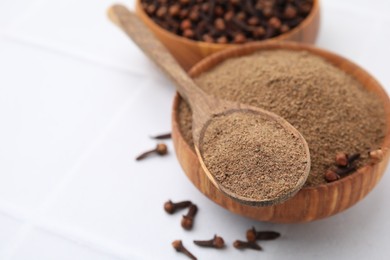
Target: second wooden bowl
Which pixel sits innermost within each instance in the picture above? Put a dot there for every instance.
(310, 203)
(188, 52)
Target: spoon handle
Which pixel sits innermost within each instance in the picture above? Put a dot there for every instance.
(129, 22)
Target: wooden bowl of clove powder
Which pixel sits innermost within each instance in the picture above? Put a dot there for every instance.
(217, 25)
(336, 105)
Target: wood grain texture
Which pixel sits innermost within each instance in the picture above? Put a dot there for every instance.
(188, 52)
(310, 203)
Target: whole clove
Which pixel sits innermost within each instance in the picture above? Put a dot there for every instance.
(331, 176)
(161, 149)
(179, 247)
(215, 242)
(171, 207)
(247, 245)
(342, 159)
(162, 136)
(353, 158)
(187, 221)
(376, 155)
(253, 235)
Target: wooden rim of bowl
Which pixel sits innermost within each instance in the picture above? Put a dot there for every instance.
(282, 37)
(368, 81)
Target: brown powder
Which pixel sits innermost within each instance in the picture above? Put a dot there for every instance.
(253, 156)
(331, 109)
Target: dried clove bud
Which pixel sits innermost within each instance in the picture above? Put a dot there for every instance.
(218, 11)
(285, 28)
(151, 9)
(174, 10)
(353, 158)
(228, 16)
(161, 11)
(162, 136)
(253, 235)
(275, 22)
(244, 244)
(184, 13)
(171, 207)
(207, 38)
(185, 24)
(376, 155)
(331, 176)
(219, 24)
(342, 159)
(239, 38)
(187, 221)
(161, 149)
(216, 242)
(179, 247)
(188, 33)
(259, 32)
(194, 16)
(290, 12)
(222, 39)
(253, 21)
(241, 16)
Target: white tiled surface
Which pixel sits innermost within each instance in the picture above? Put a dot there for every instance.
(77, 103)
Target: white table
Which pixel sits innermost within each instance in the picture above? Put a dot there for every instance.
(78, 101)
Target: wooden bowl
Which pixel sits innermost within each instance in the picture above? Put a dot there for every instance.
(188, 52)
(310, 203)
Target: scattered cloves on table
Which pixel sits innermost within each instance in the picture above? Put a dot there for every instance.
(178, 245)
(161, 149)
(247, 245)
(187, 221)
(162, 136)
(171, 207)
(253, 235)
(216, 242)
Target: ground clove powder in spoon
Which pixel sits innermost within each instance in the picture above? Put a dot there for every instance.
(331, 109)
(253, 156)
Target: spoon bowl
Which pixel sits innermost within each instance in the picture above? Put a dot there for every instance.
(285, 192)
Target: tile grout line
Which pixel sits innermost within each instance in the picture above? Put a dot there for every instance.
(62, 51)
(24, 15)
(30, 221)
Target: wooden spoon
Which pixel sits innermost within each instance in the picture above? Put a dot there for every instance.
(204, 107)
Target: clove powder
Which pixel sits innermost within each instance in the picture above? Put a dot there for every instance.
(330, 108)
(254, 156)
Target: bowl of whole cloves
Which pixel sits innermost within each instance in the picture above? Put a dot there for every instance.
(340, 109)
(192, 30)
